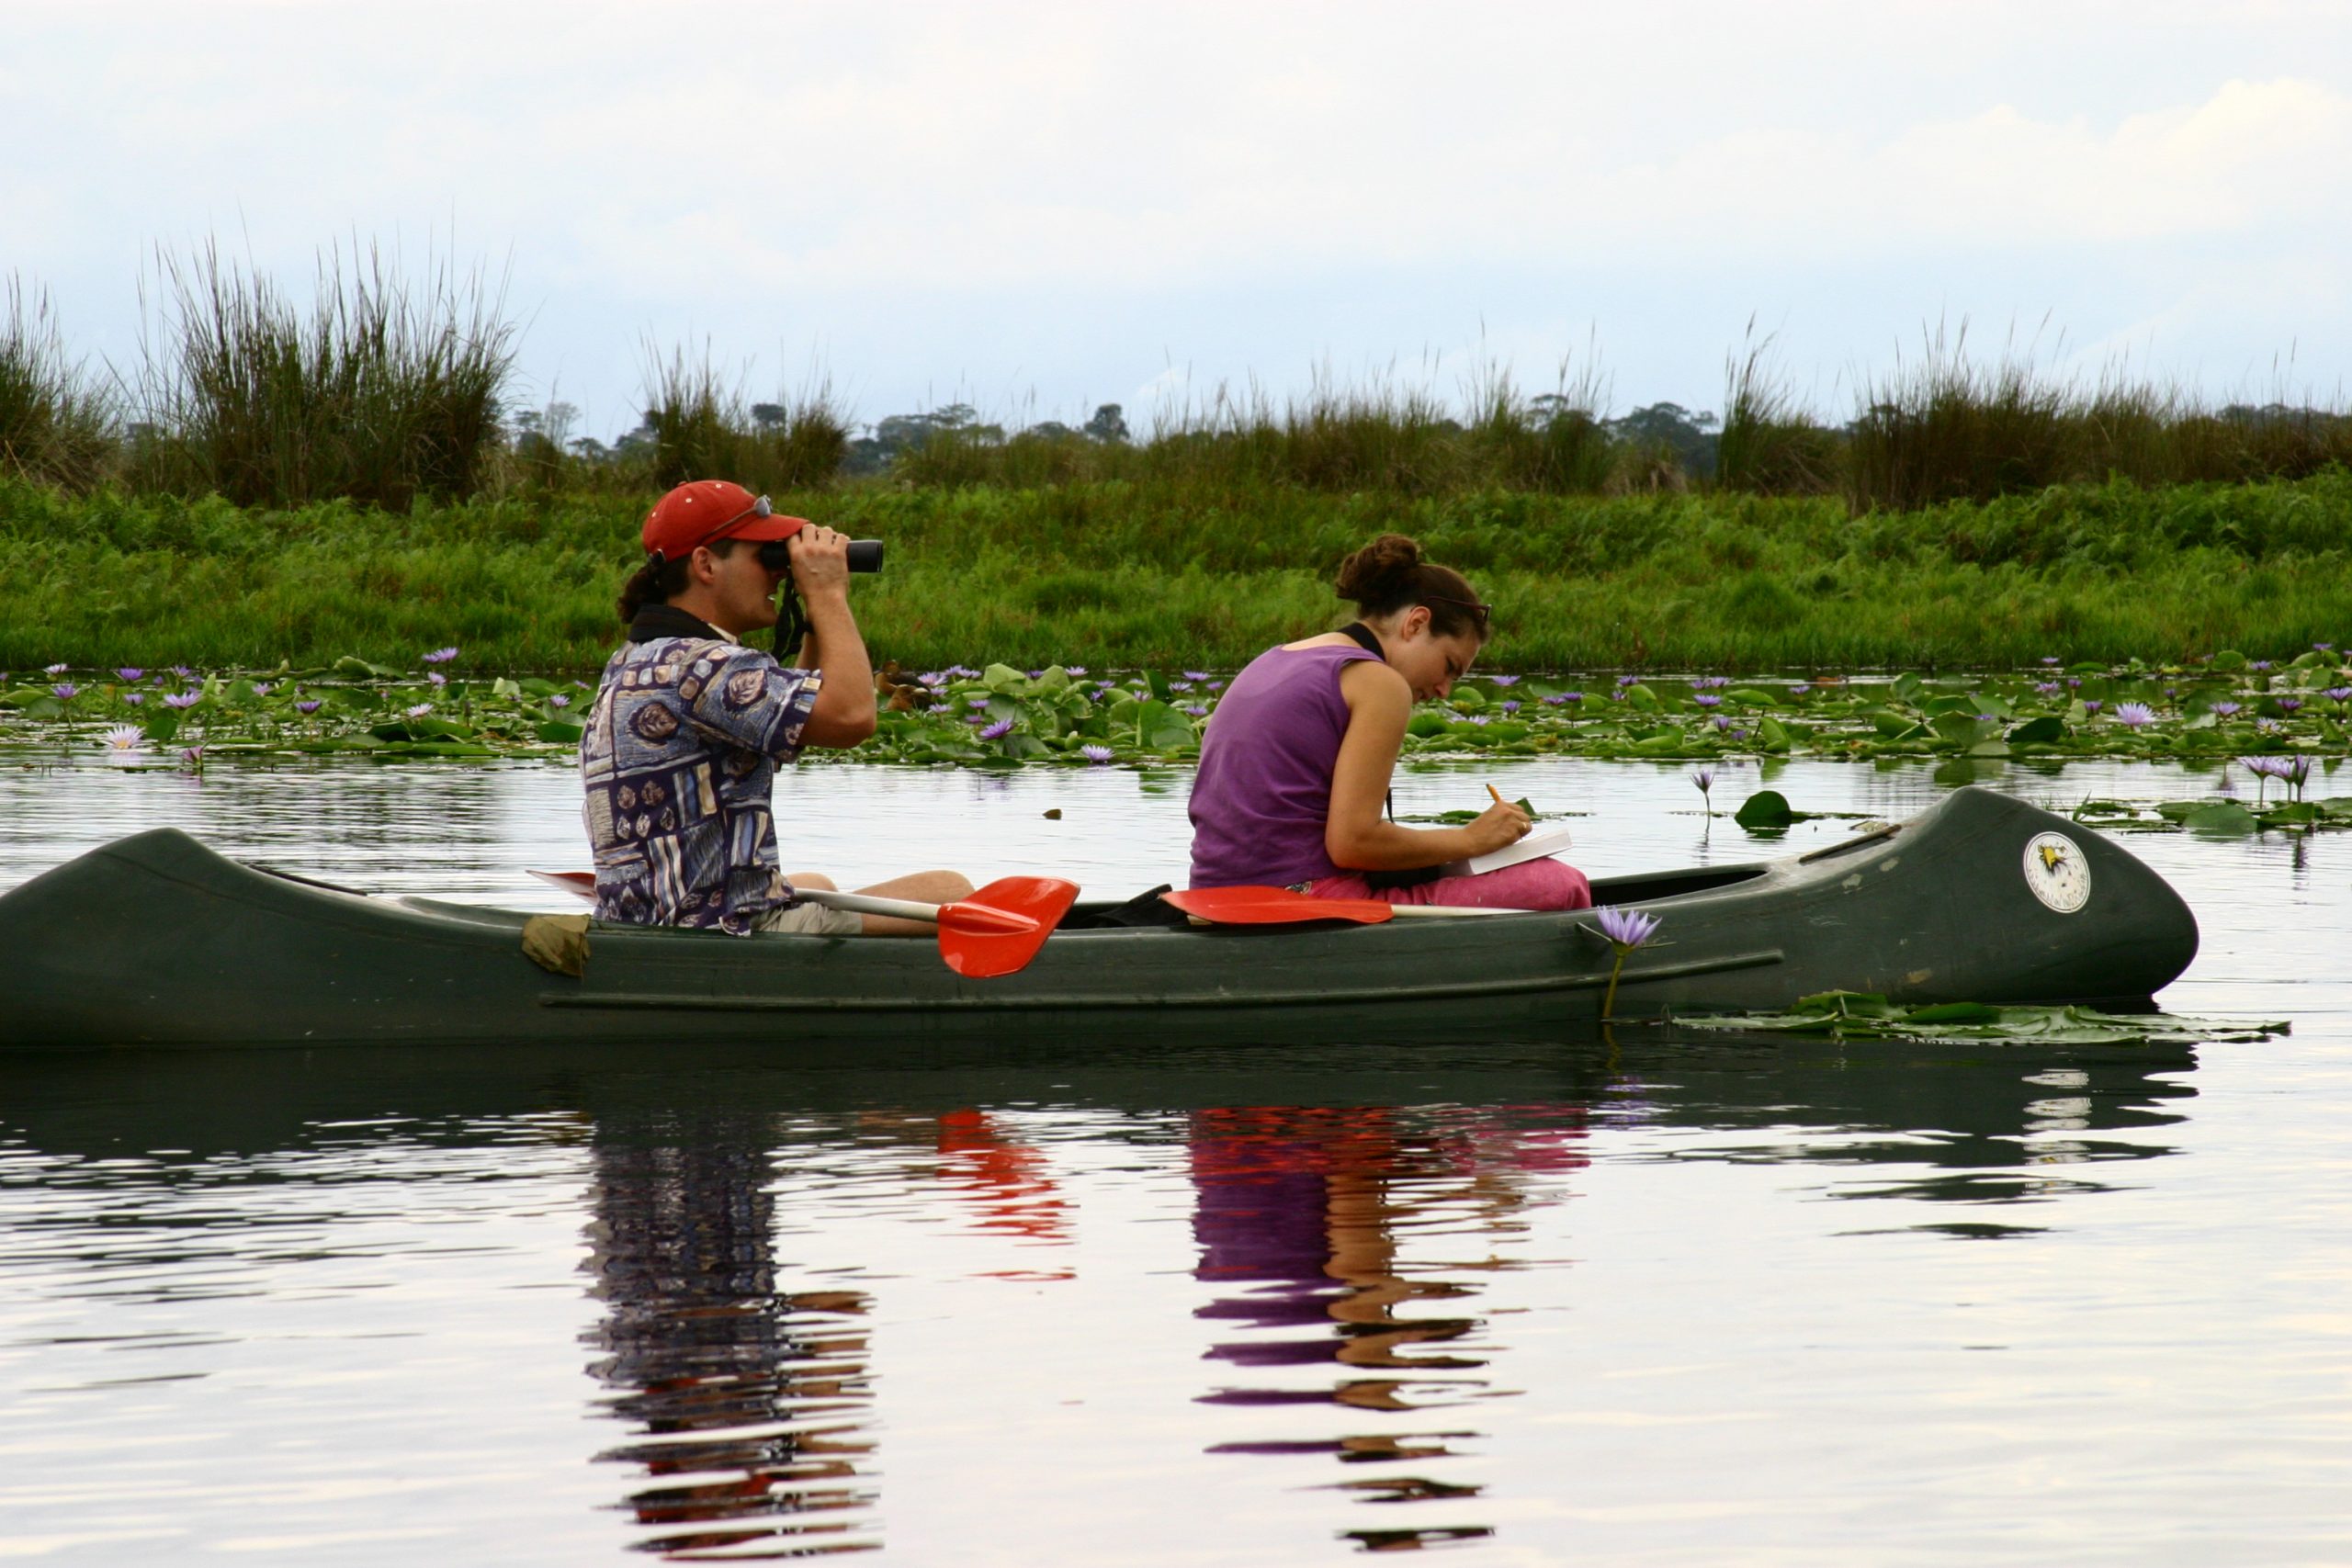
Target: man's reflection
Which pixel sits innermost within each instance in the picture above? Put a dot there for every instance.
(1298, 1213)
(749, 1403)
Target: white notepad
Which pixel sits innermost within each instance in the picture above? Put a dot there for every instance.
(1536, 846)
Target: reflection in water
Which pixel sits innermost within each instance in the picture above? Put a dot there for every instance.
(747, 1401)
(1299, 1212)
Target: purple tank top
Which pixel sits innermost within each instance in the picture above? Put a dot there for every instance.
(1264, 791)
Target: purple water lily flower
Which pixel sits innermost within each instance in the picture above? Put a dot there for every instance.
(1179, 685)
(1216, 685)
(125, 737)
(65, 691)
(262, 688)
(184, 674)
(441, 656)
(1073, 669)
(2225, 709)
(997, 730)
(192, 757)
(1797, 689)
(2258, 664)
(1627, 680)
(2132, 715)
(1196, 674)
(559, 701)
(1197, 711)
(1723, 721)
(1510, 707)
(1705, 779)
(2047, 688)
(977, 702)
(55, 669)
(307, 706)
(1476, 718)
(1708, 700)
(2049, 658)
(181, 699)
(2290, 705)
(420, 710)
(134, 698)
(2268, 727)
(933, 677)
(1503, 680)
(131, 674)
(2074, 682)
(436, 678)
(2338, 693)
(2322, 647)
(1098, 755)
(1625, 928)
(2092, 705)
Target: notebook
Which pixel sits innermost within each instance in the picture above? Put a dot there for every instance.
(1550, 841)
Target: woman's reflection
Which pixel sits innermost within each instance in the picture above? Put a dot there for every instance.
(1298, 1213)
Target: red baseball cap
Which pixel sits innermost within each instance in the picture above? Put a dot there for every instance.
(703, 511)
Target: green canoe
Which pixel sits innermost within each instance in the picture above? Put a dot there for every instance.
(155, 940)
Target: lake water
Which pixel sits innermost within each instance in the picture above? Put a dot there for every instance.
(1676, 1302)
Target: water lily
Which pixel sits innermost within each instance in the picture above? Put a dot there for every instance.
(1624, 929)
(2269, 726)
(2261, 768)
(997, 730)
(2290, 705)
(441, 656)
(1503, 680)
(55, 669)
(977, 702)
(65, 691)
(2293, 772)
(1723, 721)
(134, 698)
(125, 737)
(308, 706)
(1179, 685)
(181, 699)
(182, 672)
(1098, 755)
(1627, 680)
(1511, 706)
(192, 758)
(130, 674)
(1705, 779)
(2049, 658)
(1708, 700)
(436, 678)
(2225, 709)
(2338, 695)
(1073, 669)
(559, 701)
(1197, 711)
(2092, 705)
(2131, 716)
(262, 688)
(420, 710)
(1196, 674)
(2258, 664)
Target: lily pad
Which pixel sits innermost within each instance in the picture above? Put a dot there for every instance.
(1864, 1015)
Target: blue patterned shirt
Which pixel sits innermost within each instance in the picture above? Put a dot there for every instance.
(678, 759)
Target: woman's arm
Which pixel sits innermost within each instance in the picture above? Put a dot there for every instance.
(1355, 835)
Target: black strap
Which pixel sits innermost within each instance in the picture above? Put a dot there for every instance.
(654, 622)
(1361, 636)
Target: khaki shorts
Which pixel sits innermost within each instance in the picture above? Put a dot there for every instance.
(810, 920)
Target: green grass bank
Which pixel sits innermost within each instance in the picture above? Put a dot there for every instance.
(1169, 573)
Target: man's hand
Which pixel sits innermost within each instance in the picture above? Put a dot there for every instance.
(820, 562)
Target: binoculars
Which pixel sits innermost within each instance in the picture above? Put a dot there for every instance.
(864, 555)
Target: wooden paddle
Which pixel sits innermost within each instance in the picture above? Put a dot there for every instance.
(1280, 905)
(997, 931)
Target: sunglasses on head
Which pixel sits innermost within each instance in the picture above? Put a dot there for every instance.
(759, 508)
(1479, 614)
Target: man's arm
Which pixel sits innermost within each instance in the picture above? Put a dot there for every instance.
(844, 712)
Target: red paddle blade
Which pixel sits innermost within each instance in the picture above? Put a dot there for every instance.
(973, 934)
(1274, 906)
(581, 884)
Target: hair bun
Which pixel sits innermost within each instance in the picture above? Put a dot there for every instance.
(1375, 573)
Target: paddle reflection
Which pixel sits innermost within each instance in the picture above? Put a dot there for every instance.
(1300, 1214)
(750, 1405)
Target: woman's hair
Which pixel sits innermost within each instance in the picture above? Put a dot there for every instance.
(1389, 574)
(659, 581)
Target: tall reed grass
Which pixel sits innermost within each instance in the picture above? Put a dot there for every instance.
(58, 423)
(703, 428)
(386, 389)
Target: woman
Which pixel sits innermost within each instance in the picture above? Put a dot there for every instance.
(1295, 765)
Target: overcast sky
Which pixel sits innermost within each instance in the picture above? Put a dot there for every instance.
(1037, 208)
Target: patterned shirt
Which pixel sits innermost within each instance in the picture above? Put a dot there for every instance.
(678, 759)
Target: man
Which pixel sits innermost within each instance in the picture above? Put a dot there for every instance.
(682, 744)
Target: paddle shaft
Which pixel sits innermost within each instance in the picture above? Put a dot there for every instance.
(863, 904)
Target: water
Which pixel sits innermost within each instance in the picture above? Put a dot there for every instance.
(1682, 1302)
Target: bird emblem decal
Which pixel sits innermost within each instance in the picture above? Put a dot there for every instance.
(2052, 857)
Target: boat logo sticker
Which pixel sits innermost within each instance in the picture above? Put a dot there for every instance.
(2058, 873)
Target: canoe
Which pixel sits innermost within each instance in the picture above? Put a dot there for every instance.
(156, 940)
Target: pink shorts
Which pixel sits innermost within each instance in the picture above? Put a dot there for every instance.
(1544, 884)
